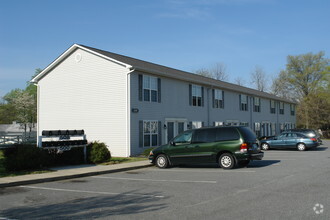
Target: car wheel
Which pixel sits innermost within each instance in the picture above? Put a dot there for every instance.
(301, 146)
(243, 163)
(226, 161)
(162, 161)
(265, 146)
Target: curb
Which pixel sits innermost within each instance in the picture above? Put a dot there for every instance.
(72, 176)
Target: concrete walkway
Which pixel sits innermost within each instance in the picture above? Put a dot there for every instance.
(69, 172)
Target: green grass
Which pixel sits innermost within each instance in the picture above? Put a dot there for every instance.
(113, 160)
(117, 160)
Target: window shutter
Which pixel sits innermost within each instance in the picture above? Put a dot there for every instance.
(223, 99)
(202, 96)
(247, 103)
(190, 125)
(159, 90)
(141, 133)
(213, 98)
(240, 103)
(202, 124)
(190, 94)
(159, 133)
(140, 86)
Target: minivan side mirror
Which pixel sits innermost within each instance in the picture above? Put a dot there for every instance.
(172, 143)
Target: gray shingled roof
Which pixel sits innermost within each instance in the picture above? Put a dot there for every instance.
(157, 69)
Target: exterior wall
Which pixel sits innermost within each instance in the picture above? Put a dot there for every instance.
(175, 105)
(89, 94)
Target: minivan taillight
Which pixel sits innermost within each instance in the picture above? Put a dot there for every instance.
(243, 147)
(313, 139)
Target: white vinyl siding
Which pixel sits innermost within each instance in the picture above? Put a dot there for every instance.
(90, 94)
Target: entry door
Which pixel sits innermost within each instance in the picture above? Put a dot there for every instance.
(173, 128)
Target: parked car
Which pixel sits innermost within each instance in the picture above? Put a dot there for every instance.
(308, 132)
(227, 146)
(290, 139)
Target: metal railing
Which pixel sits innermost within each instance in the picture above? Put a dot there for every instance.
(8, 139)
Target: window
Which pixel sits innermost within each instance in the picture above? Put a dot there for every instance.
(204, 136)
(149, 88)
(196, 95)
(218, 123)
(232, 122)
(272, 106)
(243, 102)
(196, 124)
(227, 134)
(292, 109)
(282, 108)
(150, 133)
(256, 104)
(184, 138)
(257, 129)
(244, 124)
(273, 127)
(218, 101)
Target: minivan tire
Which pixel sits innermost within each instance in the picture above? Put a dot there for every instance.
(162, 161)
(226, 161)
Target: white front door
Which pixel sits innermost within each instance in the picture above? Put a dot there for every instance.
(174, 127)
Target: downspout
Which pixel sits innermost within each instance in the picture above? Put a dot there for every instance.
(38, 111)
(128, 100)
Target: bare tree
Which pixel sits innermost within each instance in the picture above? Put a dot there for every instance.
(258, 79)
(218, 72)
(239, 81)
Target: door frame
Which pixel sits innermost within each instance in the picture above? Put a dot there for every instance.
(176, 121)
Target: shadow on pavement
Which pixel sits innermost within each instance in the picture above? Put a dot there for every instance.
(103, 206)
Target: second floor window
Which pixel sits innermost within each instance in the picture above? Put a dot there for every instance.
(196, 95)
(149, 88)
(281, 108)
(272, 106)
(243, 102)
(292, 109)
(218, 101)
(256, 104)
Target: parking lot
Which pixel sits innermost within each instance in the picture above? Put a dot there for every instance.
(287, 184)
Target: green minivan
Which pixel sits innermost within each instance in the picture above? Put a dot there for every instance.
(228, 146)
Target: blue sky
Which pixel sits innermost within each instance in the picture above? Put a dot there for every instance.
(182, 34)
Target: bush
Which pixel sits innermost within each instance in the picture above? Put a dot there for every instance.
(25, 157)
(146, 152)
(98, 153)
(72, 157)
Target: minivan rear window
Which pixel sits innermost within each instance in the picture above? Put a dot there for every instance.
(247, 133)
(227, 134)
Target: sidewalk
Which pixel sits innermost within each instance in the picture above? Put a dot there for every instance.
(69, 172)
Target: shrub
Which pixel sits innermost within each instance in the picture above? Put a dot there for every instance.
(25, 157)
(99, 153)
(146, 152)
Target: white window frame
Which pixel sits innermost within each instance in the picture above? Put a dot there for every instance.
(281, 108)
(218, 98)
(218, 123)
(256, 104)
(150, 83)
(196, 93)
(244, 102)
(196, 124)
(151, 132)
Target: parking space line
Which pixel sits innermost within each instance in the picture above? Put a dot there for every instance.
(91, 192)
(206, 171)
(153, 180)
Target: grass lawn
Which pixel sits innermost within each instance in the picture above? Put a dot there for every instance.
(113, 160)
